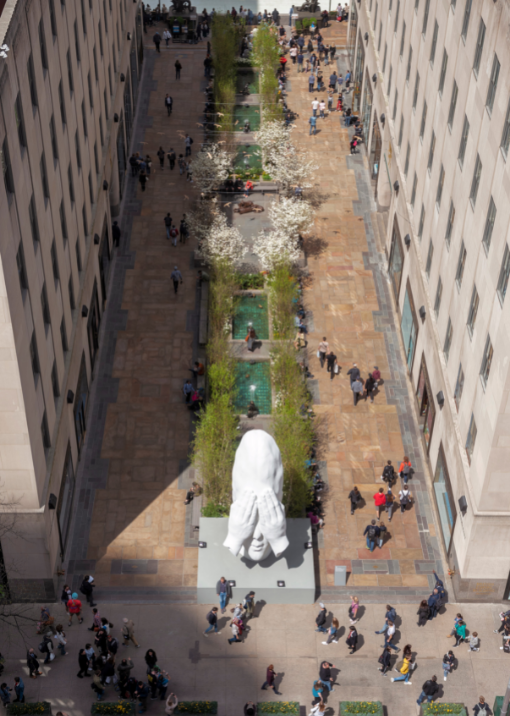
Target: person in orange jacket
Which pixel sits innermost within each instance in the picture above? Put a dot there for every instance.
(380, 501)
(405, 469)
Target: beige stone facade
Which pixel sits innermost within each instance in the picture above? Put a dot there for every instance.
(68, 92)
(439, 73)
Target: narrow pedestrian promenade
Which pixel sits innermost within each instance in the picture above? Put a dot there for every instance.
(349, 303)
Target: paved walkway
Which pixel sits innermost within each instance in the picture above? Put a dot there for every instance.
(348, 298)
(130, 521)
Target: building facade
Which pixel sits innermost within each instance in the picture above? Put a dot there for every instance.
(432, 88)
(68, 93)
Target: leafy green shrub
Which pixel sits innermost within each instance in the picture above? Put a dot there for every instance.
(250, 280)
(278, 707)
(197, 707)
(115, 707)
(38, 707)
(213, 510)
(282, 301)
(360, 707)
(266, 55)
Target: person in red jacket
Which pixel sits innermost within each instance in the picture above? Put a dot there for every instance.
(380, 501)
(74, 607)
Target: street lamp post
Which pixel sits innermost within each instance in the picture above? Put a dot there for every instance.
(506, 700)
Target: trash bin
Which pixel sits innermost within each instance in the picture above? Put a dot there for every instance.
(340, 575)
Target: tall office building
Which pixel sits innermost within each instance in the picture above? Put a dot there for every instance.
(432, 87)
(68, 92)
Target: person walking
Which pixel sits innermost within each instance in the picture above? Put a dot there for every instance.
(405, 672)
(224, 591)
(381, 535)
(187, 143)
(168, 225)
(390, 616)
(128, 632)
(161, 156)
(320, 619)
(352, 639)
(143, 179)
(481, 708)
(428, 690)
(448, 664)
(60, 638)
(207, 66)
(74, 609)
(322, 108)
(333, 80)
(116, 234)
(325, 675)
(357, 390)
(404, 497)
(390, 503)
(142, 694)
(317, 691)
(313, 125)
(168, 104)
(333, 631)
(178, 68)
(371, 533)
(311, 81)
(300, 57)
(355, 498)
(370, 387)
(405, 469)
(19, 690)
(83, 661)
(157, 40)
(474, 642)
(323, 349)
(353, 610)
(33, 664)
(212, 618)
(176, 277)
(167, 37)
(87, 587)
(96, 620)
(388, 474)
(236, 632)
(380, 502)
(249, 605)
(315, 106)
(385, 660)
(270, 680)
(171, 158)
(423, 612)
(5, 694)
(460, 633)
(182, 164)
(389, 636)
(331, 360)
(354, 373)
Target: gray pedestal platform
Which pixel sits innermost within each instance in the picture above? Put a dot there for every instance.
(295, 567)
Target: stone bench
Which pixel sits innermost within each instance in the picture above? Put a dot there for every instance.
(202, 321)
(196, 512)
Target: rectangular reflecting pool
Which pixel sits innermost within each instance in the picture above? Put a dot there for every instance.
(253, 382)
(248, 158)
(249, 77)
(251, 310)
(246, 111)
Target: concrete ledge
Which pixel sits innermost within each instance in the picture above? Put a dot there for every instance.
(202, 321)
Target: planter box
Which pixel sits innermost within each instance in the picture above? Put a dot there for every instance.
(195, 708)
(360, 708)
(38, 707)
(268, 708)
(111, 708)
(438, 709)
(498, 703)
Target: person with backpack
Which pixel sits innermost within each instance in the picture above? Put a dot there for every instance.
(355, 498)
(321, 619)
(212, 618)
(162, 682)
(385, 659)
(249, 605)
(46, 647)
(388, 474)
(380, 502)
(428, 690)
(481, 708)
(390, 616)
(448, 664)
(390, 503)
(382, 533)
(405, 498)
(371, 533)
(87, 587)
(174, 233)
(405, 469)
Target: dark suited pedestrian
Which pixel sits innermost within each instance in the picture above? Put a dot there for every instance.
(157, 41)
(355, 498)
(353, 373)
(428, 690)
(171, 156)
(249, 605)
(331, 360)
(161, 157)
(116, 233)
(212, 618)
(352, 639)
(369, 388)
(143, 179)
(19, 690)
(321, 619)
(178, 68)
(168, 104)
(385, 660)
(176, 277)
(325, 674)
(83, 661)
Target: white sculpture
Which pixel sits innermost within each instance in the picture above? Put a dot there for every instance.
(257, 517)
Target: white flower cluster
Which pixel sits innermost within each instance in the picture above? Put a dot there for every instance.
(222, 241)
(211, 167)
(291, 216)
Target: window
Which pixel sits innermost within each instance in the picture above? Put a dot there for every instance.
(439, 295)
(465, 21)
(101, 133)
(45, 433)
(113, 57)
(20, 122)
(5, 158)
(22, 270)
(105, 102)
(423, 120)
(105, 17)
(479, 47)
(61, 102)
(96, 159)
(63, 220)
(471, 436)
(430, 254)
(375, 15)
(448, 340)
(402, 39)
(44, 177)
(83, 18)
(408, 152)
(63, 336)
(493, 84)
(409, 326)
(453, 104)
(401, 131)
(485, 368)
(32, 215)
(44, 306)
(442, 76)
(476, 181)
(80, 403)
(34, 356)
(42, 45)
(91, 95)
(409, 62)
(100, 32)
(453, 4)
(85, 222)
(118, 37)
(444, 499)
(425, 396)
(505, 138)
(422, 221)
(54, 380)
(440, 185)
(385, 55)
(84, 118)
(91, 189)
(395, 105)
(71, 183)
(53, 137)
(461, 264)
(77, 149)
(76, 42)
(65, 497)
(463, 141)
(449, 224)
(53, 19)
(503, 275)
(416, 5)
(434, 44)
(72, 302)
(110, 83)
(473, 310)
(431, 151)
(389, 80)
(70, 71)
(96, 73)
(396, 16)
(378, 41)
(413, 193)
(54, 262)
(489, 226)
(396, 261)
(416, 88)
(78, 256)
(425, 18)
(31, 81)
(459, 387)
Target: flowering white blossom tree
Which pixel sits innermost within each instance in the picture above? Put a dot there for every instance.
(288, 169)
(291, 216)
(211, 167)
(272, 137)
(222, 241)
(200, 219)
(275, 247)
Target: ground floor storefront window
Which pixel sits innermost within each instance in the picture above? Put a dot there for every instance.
(426, 408)
(444, 499)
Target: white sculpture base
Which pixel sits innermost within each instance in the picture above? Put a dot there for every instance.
(295, 567)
